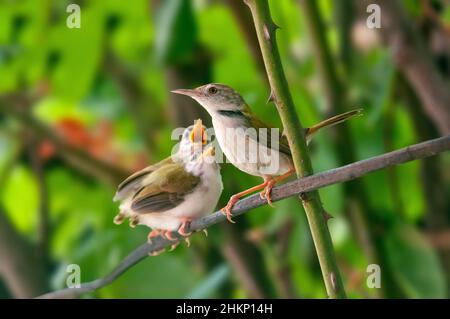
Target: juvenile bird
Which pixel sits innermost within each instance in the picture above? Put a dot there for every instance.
(263, 153)
(168, 195)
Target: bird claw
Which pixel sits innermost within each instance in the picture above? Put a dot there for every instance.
(265, 194)
(227, 212)
(182, 229)
(173, 246)
(205, 231)
(167, 234)
(152, 234)
(227, 209)
(156, 252)
(134, 221)
(119, 218)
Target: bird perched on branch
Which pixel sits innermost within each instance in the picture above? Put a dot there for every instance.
(247, 142)
(168, 195)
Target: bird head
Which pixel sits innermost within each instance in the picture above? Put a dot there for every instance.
(215, 98)
(193, 140)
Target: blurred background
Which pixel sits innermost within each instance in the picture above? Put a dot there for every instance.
(81, 108)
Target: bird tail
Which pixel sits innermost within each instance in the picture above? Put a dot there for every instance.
(332, 121)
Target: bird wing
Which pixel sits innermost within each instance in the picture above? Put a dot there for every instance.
(266, 139)
(133, 183)
(165, 189)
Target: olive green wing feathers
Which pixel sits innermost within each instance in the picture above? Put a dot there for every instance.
(134, 182)
(165, 189)
(266, 138)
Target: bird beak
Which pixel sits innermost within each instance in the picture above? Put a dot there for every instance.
(198, 133)
(188, 92)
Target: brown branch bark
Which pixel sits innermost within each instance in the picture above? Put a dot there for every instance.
(306, 184)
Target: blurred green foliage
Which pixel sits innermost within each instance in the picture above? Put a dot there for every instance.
(67, 69)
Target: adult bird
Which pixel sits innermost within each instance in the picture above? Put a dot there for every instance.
(168, 195)
(249, 144)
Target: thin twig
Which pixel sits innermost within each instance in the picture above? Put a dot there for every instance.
(306, 184)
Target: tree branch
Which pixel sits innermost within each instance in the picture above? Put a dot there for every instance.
(306, 184)
(280, 94)
(357, 208)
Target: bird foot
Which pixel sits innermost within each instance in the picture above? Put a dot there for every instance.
(182, 229)
(119, 218)
(154, 233)
(134, 221)
(187, 241)
(227, 209)
(265, 194)
(167, 234)
(205, 231)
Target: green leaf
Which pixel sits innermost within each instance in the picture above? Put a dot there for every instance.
(414, 263)
(176, 31)
(20, 198)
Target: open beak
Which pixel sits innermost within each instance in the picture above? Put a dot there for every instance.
(198, 133)
(188, 92)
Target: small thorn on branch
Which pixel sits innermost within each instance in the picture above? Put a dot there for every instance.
(266, 32)
(333, 280)
(327, 216)
(271, 96)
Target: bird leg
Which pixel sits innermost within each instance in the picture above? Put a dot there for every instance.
(152, 234)
(182, 229)
(233, 199)
(270, 183)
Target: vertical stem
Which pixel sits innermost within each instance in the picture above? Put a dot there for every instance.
(265, 30)
(344, 16)
(357, 210)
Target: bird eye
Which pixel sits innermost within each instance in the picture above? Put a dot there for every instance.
(212, 90)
